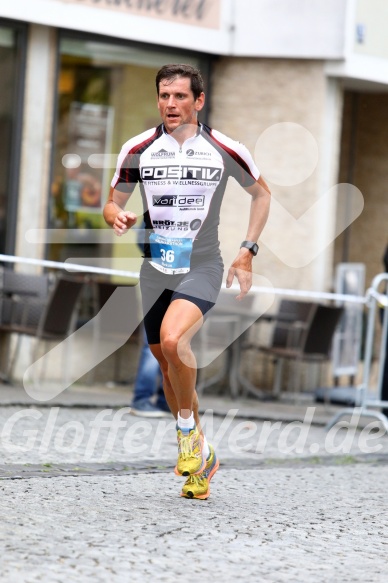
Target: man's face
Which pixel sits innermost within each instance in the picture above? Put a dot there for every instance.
(176, 103)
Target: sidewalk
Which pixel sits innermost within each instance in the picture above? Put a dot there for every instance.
(116, 396)
(320, 525)
(88, 494)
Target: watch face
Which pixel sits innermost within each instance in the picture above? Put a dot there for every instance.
(253, 247)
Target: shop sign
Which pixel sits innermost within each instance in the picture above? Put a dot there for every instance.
(204, 13)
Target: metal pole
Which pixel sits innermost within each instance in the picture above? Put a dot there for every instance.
(383, 354)
(373, 296)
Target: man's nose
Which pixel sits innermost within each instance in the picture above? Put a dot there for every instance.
(171, 101)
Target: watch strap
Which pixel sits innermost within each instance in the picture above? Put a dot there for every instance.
(251, 245)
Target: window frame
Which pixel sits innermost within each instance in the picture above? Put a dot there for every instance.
(12, 187)
(205, 65)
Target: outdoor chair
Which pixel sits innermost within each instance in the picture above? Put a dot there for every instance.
(305, 339)
(48, 317)
(289, 322)
(16, 289)
(286, 326)
(22, 297)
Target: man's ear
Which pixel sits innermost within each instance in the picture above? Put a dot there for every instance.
(200, 102)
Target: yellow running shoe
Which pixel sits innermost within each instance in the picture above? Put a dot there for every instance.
(199, 486)
(191, 459)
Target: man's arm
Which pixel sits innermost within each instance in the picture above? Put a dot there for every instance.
(115, 215)
(242, 265)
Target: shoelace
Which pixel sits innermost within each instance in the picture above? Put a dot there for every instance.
(195, 480)
(186, 445)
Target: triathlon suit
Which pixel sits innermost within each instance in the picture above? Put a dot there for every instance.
(182, 188)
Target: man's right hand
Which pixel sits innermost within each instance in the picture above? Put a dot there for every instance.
(123, 222)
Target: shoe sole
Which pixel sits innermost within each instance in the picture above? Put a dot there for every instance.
(207, 494)
(149, 414)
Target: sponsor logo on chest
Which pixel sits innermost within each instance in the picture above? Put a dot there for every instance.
(163, 154)
(204, 173)
(198, 154)
(175, 200)
(178, 225)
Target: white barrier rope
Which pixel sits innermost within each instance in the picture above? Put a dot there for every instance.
(68, 266)
(133, 274)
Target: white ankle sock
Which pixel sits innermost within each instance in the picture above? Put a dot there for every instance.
(186, 423)
(206, 449)
(189, 423)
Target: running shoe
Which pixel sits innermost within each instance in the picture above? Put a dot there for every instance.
(144, 408)
(198, 486)
(191, 459)
(162, 405)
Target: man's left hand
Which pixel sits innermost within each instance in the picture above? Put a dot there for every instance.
(242, 269)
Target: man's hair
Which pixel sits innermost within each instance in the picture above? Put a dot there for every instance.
(172, 71)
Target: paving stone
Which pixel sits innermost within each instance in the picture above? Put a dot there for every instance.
(311, 524)
(291, 502)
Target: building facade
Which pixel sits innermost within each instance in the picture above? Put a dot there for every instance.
(302, 84)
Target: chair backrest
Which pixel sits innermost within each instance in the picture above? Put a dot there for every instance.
(25, 286)
(60, 311)
(104, 290)
(320, 332)
(290, 312)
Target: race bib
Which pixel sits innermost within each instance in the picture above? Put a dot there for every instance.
(170, 256)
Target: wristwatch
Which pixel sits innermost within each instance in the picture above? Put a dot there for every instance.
(253, 247)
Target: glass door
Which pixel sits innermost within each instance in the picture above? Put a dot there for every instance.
(12, 56)
(106, 94)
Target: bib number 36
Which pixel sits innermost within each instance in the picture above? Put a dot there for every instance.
(170, 254)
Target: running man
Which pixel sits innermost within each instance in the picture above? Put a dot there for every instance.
(182, 167)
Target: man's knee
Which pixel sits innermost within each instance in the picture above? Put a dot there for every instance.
(169, 345)
(178, 353)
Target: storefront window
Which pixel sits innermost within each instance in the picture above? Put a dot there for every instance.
(106, 95)
(11, 72)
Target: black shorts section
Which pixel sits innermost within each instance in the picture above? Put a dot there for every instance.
(203, 305)
(200, 286)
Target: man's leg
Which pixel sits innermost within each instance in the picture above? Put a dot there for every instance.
(146, 383)
(181, 321)
(167, 386)
(171, 322)
(196, 486)
(168, 390)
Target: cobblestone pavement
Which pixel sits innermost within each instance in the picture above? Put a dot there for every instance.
(88, 494)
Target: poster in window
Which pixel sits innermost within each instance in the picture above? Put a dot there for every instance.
(90, 129)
